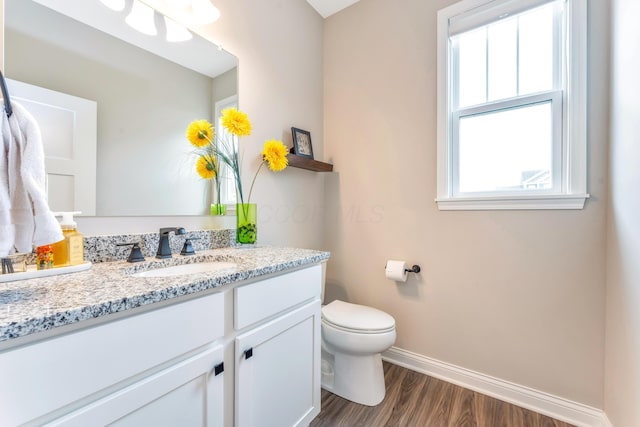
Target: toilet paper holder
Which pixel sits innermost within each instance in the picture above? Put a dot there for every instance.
(414, 269)
(398, 271)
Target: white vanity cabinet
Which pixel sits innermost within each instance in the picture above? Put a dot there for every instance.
(246, 355)
(154, 368)
(277, 361)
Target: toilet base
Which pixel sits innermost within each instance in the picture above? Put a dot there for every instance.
(357, 378)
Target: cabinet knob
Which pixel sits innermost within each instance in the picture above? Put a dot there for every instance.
(248, 353)
(218, 369)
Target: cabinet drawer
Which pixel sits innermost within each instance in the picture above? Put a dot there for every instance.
(43, 377)
(258, 301)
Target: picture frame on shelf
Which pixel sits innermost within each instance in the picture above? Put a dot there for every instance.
(302, 143)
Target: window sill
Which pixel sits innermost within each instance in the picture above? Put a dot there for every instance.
(546, 202)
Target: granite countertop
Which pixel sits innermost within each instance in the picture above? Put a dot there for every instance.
(37, 305)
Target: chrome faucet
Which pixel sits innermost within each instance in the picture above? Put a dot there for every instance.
(164, 249)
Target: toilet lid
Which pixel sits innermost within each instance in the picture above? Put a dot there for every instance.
(357, 317)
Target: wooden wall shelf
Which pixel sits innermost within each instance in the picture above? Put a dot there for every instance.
(309, 164)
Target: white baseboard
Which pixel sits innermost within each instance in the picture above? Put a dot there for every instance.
(538, 401)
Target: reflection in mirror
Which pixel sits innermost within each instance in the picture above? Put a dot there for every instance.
(144, 164)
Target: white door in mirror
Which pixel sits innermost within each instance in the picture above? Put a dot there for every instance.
(69, 127)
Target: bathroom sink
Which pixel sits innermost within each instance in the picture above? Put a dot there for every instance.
(178, 270)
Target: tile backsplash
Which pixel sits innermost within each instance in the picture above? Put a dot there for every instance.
(104, 248)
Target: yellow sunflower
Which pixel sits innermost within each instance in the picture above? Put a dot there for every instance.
(275, 154)
(236, 122)
(200, 133)
(206, 166)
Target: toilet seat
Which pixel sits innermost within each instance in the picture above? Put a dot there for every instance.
(357, 318)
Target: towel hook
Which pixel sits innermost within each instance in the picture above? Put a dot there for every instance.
(5, 95)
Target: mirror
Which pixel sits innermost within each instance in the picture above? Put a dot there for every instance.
(144, 164)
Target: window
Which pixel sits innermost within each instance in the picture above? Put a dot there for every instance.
(511, 105)
(228, 182)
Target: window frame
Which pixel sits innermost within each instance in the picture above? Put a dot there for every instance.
(225, 170)
(570, 190)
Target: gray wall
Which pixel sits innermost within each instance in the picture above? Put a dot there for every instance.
(622, 368)
(518, 295)
(225, 85)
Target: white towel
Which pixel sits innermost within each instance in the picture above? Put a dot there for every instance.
(34, 223)
(7, 235)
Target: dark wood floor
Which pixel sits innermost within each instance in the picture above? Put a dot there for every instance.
(417, 400)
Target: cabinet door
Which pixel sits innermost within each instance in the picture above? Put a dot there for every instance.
(278, 371)
(83, 366)
(189, 393)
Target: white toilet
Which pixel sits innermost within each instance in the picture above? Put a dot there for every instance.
(353, 336)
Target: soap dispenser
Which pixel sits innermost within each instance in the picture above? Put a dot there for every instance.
(70, 250)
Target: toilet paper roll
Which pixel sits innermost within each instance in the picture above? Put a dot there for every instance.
(395, 270)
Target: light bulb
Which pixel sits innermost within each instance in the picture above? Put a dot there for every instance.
(117, 5)
(176, 32)
(141, 18)
(204, 12)
(180, 4)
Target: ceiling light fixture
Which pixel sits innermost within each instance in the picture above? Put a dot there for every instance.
(175, 31)
(204, 12)
(117, 5)
(180, 4)
(142, 18)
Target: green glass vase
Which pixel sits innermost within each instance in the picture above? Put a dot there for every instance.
(246, 222)
(218, 209)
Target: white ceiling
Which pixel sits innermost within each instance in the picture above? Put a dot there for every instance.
(329, 7)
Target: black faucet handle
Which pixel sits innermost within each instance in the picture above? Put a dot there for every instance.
(136, 254)
(187, 248)
(176, 230)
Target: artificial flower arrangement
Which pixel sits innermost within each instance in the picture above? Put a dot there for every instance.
(200, 135)
(211, 151)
